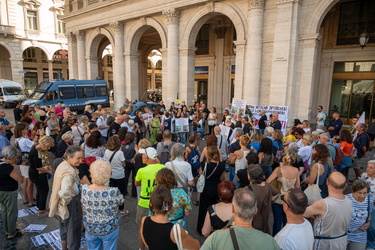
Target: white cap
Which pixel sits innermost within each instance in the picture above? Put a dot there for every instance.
(150, 152)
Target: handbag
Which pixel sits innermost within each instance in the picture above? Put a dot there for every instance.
(313, 191)
(177, 236)
(202, 179)
(276, 184)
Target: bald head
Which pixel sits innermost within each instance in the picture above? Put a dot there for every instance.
(119, 119)
(275, 116)
(337, 181)
(217, 130)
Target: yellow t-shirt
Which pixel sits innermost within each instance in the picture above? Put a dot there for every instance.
(147, 176)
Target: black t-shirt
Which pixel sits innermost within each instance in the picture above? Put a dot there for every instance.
(262, 124)
(17, 114)
(246, 128)
(7, 183)
(83, 170)
(113, 129)
(35, 162)
(244, 180)
(276, 125)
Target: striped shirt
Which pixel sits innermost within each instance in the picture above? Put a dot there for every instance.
(359, 217)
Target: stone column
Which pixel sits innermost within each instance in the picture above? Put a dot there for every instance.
(153, 80)
(284, 54)
(187, 68)
(92, 68)
(131, 75)
(81, 58)
(304, 102)
(253, 61)
(239, 74)
(215, 88)
(72, 56)
(50, 69)
(170, 89)
(17, 66)
(119, 89)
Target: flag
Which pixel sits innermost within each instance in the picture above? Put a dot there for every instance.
(361, 119)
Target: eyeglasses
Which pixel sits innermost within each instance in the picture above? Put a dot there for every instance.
(296, 134)
(283, 199)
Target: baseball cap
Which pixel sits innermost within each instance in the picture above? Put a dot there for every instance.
(150, 152)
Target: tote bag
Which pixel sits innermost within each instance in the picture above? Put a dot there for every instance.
(313, 191)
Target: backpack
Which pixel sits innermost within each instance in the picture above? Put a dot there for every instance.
(339, 155)
(194, 158)
(23, 159)
(165, 154)
(368, 140)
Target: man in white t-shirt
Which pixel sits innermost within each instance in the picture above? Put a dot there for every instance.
(222, 142)
(298, 232)
(320, 118)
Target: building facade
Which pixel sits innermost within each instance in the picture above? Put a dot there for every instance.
(33, 46)
(296, 53)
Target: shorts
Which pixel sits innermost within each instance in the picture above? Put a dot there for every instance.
(141, 212)
(195, 172)
(360, 163)
(24, 171)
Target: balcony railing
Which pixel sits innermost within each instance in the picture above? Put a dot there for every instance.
(7, 30)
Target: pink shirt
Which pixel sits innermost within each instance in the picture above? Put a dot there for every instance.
(59, 112)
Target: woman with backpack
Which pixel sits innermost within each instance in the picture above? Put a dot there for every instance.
(129, 148)
(116, 158)
(24, 144)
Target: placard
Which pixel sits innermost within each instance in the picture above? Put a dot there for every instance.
(224, 130)
(281, 110)
(181, 125)
(238, 107)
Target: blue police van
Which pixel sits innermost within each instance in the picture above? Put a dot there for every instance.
(75, 94)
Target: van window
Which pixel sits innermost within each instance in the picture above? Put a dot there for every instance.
(101, 91)
(85, 92)
(12, 91)
(1, 91)
(67, 93)
(52, 95)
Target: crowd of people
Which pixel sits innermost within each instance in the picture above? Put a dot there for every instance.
(236, 180)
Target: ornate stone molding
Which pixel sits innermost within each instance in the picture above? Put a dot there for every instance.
(71, 37)
(80, 35)
(30, 4)
(256, 4)
(118, 26)
(173, 15)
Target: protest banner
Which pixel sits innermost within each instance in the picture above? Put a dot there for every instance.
(177, 103)
(238, 106)
(181, 125)
(281, 110)
(224, 130)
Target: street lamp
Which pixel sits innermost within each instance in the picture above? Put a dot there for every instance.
(363, 39)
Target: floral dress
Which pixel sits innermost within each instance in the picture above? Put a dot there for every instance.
(181, 204)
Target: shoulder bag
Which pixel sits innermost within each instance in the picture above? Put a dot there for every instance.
(313, 191)
(177, 236)
(202, 179)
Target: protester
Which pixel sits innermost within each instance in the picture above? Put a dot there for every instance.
(331, 226)
(39, 168)
(9, 179)
(212, 120)
(263, 193)
(146, 179)
(64, 143)
(156, 232)
(4, 141)
(239, 156)
(78, 132)
(361, 215)
(219, 215)
(129, 149)
(233, 147)
(346, 147)
(102, 125)
(262, 121)
(93, 145)
(154, 127)
(288, 177)
(164, 148)
(334, 125)
(180, 167)
(100, 208)
(116, 158)
(65, 200)
(297, 233)
(17, 112)
(25, 145)
(361, 143)
(181, 201)
(213, 170)
(244, 209)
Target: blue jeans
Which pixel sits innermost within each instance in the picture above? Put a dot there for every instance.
(183, 137)
(109, 241)
(232, 173)
(262, 131)
(279, 218)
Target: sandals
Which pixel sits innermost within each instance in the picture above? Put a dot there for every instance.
(124, 213)
(196, 203)
(17, 235)
(43, 213)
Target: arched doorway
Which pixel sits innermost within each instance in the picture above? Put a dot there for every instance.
(215, 61)
(99, 63)
(148, 45)
(154, 75)
(345, 69)
(60, 64)
(5, 65)
(35, 64)
(107, 68)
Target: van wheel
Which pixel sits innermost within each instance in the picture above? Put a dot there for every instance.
(4, 105)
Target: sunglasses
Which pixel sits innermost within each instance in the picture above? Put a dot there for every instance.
(283, 199)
